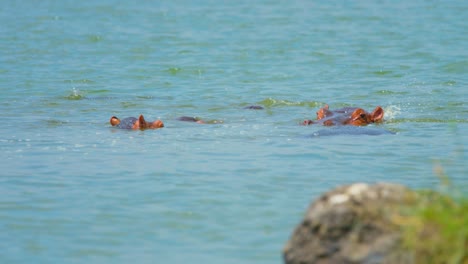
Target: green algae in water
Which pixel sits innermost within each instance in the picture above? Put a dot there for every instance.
(93, 38)
(456, 67)
(55, 123)
(174, 70)
(84, 81)
(389, 92)
(98, 91)
(75, 95)
(129, 104)
(382, 72)
(426, 120)
(449, 83)
(270, 102)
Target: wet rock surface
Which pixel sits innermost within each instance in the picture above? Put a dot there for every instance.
(351, 224)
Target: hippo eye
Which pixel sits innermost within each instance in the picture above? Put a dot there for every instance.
(362, 115)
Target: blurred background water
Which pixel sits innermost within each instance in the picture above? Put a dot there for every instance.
(75, 190)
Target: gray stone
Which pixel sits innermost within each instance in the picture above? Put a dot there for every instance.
(351, 224)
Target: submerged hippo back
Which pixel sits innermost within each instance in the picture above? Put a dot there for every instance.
(188, 119)
(351, 130)
(127, 123)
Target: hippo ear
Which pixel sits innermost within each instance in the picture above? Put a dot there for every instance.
(323, 112)
(142, 122)
(377, 115)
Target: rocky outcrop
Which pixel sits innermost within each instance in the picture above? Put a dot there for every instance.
(352, 224)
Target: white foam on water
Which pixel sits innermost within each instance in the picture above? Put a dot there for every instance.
(391, 112)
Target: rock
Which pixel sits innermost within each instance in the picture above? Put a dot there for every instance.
(352, 224)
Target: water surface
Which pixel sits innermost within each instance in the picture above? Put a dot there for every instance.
(75, 190)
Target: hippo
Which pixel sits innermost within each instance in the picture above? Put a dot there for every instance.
(135, 123)
(346, 116)
(191, 119)
(254, 107)
(198, 120)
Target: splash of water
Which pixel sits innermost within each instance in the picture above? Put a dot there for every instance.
(75, 95)
(391, 112)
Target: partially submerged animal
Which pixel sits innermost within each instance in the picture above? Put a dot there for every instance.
(191, 119)
(135, 123)
(346, 116)
(254, 107)
(201, 121)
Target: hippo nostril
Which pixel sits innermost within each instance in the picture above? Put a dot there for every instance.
(363, 115)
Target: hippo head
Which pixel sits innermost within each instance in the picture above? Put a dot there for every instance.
(346, 116)
(361, 118)
(134, 123)
(142, 124)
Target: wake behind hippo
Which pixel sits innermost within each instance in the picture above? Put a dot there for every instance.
(346, 116)
(135, 123)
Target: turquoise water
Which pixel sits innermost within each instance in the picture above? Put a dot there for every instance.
(75, 190)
